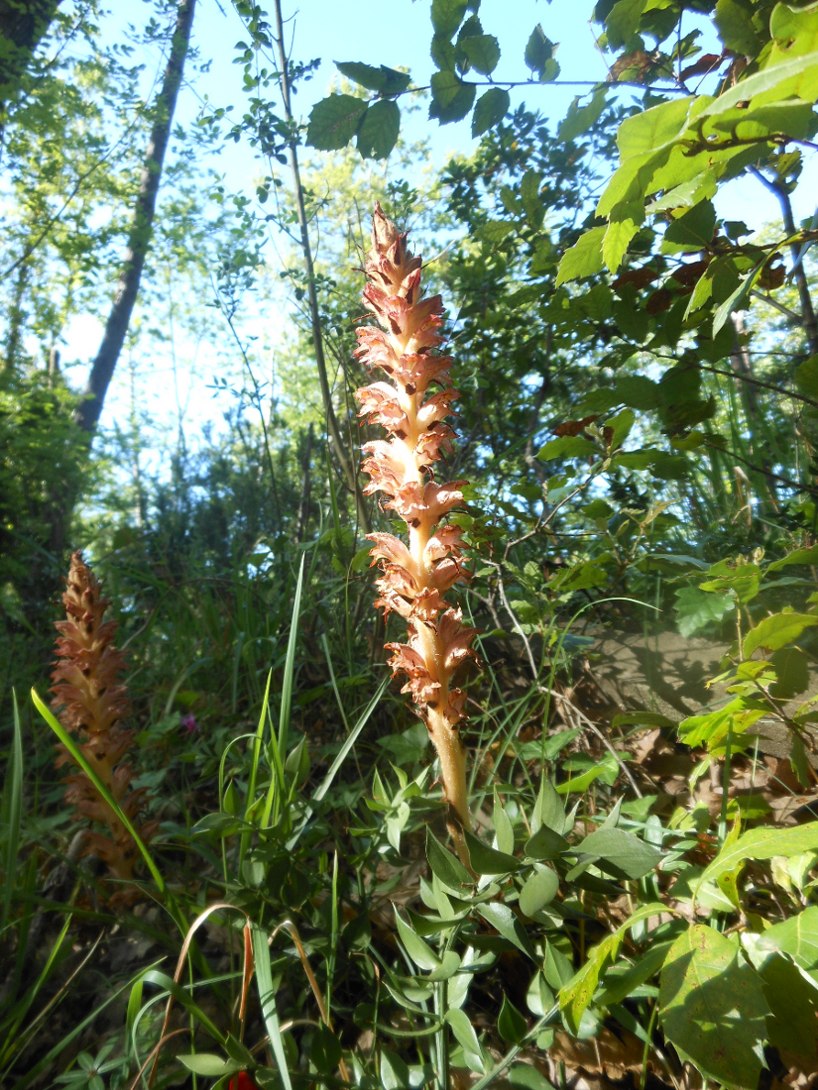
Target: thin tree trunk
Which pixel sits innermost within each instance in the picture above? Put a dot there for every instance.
(809, 322)
(339, 446)
(119, 318)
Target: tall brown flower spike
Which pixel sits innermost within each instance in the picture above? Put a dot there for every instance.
(91, 701)
(414, 578)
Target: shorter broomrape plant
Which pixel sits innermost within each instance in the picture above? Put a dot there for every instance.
(415, 578)
(91, 702)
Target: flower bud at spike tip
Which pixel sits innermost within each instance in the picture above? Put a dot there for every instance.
(414, 578)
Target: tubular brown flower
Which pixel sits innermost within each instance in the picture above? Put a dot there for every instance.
(415, 577)
(91, 701)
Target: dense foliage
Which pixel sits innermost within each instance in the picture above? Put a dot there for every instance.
(227, 860)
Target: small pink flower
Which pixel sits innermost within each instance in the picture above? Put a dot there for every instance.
(189, 723)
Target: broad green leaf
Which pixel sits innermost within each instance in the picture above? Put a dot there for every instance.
(334, 120)
(567, 446)
(698, 609)
(793, 77)
(452, 99)
(763, 843)
(623, 225)
(447, 15)
(503, 829)
(325, 1049)
(638, 391)
(712, 1007)
(778, 630)
(511, 1025)
(539, 890)
(622, 21)
(549, 809)
(645, 132)
(446, 866)
(691, 232)
(539, 51)
(735, 25)
(419, 951)
(209, 1064)
(716, 729)
(388, 81)
(793, 1003)
(486, 860)
(806, 377)
(482, 52)
(583, 258)
(620, 852)
(502, 919)
(797, 936)
(577, 994)
(579, 119)
(465, 1036)
(797, 556)
(489, 110)
(378, 131)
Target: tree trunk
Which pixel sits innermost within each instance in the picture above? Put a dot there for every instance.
(116, 328)
(23, 24)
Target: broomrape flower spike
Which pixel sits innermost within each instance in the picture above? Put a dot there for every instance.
(91, 702)
(414, 578)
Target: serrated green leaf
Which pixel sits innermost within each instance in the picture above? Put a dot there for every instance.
(447, 15)
(797, 937)
(539, 51)
(712, 1007)
(489, 110)
(481, 51)
(692, 231)
(734, 21)
(378, 131)
(623, 225)
(579, 119)
(567, 446)
(388, 81)
(698, 609)
(776, 631)
(334, 121)
(584, 258)
(622, 21)
(762, 843)
(452, 99)
(577, 994)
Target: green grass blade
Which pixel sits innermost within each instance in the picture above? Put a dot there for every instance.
(266, 995)
(12, 810)
(279, 744)
(343, 752)
(80, 759)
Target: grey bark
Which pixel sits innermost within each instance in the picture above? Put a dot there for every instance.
(139, 236)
